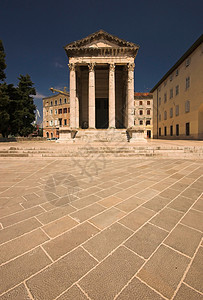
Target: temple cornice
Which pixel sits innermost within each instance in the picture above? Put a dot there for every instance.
(103, 51)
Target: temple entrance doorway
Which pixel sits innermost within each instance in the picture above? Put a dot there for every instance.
(102, 113)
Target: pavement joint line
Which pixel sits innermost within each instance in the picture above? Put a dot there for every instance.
(176, 250)
(153, 289)
(134, 252)
(28, 291)
(125, 227)
(158, 227)
(85, 241)
(191, 227)
(47, 254)
(83, 291)
(42, 207)
(200, 211)
(186, 271)
(42, 229)
(199, 292)
(89, 253)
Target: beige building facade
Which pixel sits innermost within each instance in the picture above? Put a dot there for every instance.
(143, 114)
(178, 98)
(56, 114)
(101, 83)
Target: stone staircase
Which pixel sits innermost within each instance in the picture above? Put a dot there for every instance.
(111, 150)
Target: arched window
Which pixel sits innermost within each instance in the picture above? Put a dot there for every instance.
(47, 135)
(52, 135)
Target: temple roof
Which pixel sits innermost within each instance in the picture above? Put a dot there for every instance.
(100, 42)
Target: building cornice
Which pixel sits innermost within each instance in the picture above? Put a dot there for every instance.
(185, 55)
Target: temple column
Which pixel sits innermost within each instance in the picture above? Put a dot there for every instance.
(72, 96)
(91, 95)
(131, 95)
(112, 96)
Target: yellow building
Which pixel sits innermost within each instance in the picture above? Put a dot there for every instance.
(56, 114)
(143, 103)
(178, 98)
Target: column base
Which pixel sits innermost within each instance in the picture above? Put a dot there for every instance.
(136, 135)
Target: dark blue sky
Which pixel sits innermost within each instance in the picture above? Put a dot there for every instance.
(34, 33)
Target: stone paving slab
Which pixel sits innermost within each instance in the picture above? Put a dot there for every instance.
(101, 228)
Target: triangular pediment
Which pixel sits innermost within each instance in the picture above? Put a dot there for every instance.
(100, 39)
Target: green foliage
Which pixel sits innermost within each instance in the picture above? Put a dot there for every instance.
(2, 62)
(17, 109)
(4, 110)
(24, 107)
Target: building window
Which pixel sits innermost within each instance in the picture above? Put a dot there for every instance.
(171, 130)
(159, 131)
(171, 77)
(187, 128)
(65, 122)
(55, 102)
(55, 111)
(134, 122)
(165, 83)
(51, 123)
(177, 90)
(47, 123)
(68, 109)
(165, 131)
(159, 101)
(51, 103)
(141, 122)
(65, 110)
(171, 112)
(159, 89)
(159, 117)
(148, 112)
(147, 122)
(177, 129)
(51, 111)
(165, 115)
(47, 135)
(60, 111)
(55, 122)
(187, 106)
(187, 82)
(60, 101)
(187, 62)
(148, 102)
(171, 93)
(177, 110)
(165, 98)
(177, 72)
(140, 102)
(141, 112)
(60, 122)
(65, 100)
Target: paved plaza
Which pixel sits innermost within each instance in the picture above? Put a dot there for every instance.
(101, 228)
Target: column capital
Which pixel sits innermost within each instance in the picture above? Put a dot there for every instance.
(111, 67)
(71, 67)
(131, 67)
(91, 67)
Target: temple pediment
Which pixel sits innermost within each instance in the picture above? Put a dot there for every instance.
(99, 43)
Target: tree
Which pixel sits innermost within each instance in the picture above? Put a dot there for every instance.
(2, 62)
(24, 106)
(4, 110)
(4, 99)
